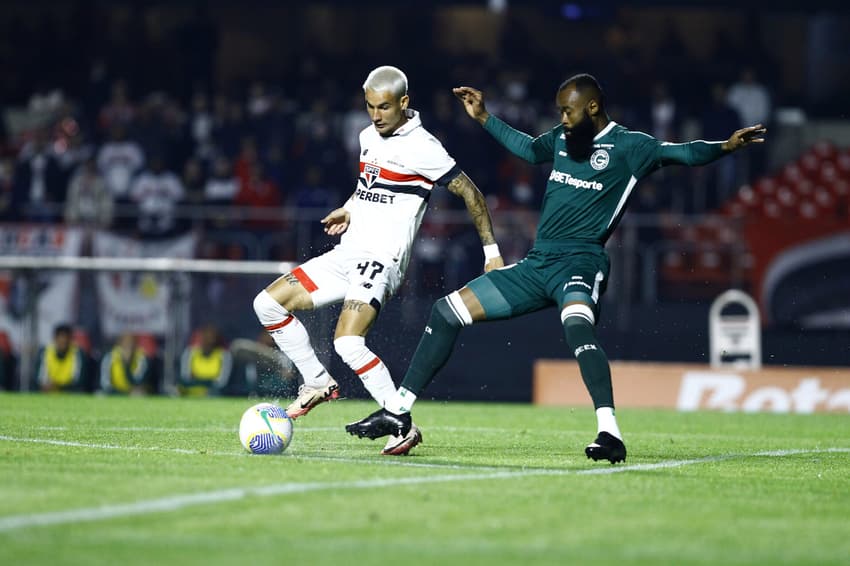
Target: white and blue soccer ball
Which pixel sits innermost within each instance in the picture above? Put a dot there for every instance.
(265, 428)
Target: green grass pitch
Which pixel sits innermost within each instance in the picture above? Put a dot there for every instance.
(93, 480)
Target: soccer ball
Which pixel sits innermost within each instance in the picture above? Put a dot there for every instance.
(265, 429)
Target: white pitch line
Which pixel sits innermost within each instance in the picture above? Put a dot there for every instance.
(181, 501)
(176, 502)
(706, 460)
(297, 427)
(383, 461)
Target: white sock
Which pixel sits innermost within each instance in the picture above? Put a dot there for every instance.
(292, 338)
(401, 402)
(606, 421)
(369, 367)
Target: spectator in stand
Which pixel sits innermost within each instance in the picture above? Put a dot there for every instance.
(229, 126)
(118, 111)
(205, 367)
(354, 121)
(194, 180)
(718, 118)
(125, 368)
(89, 201)
(314, 194)
(37, 181)
(751, 100)
(663, 113)
(247, 158)
(157, 192)
(274, 162)
(119, 159)
(71, 146)
(220, 190)
(259, 192)
(201, 127)
(7, 188)
(61, 364)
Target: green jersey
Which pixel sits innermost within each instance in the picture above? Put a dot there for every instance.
(585, 200)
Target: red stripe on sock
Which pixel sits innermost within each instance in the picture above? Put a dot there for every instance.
(286, 321)
(368, 366)
(304, 279)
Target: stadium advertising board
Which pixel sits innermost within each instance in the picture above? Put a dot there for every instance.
(699, 387)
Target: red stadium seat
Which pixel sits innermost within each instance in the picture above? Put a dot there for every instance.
(825, 150)
(843, 164)
(791, 174)
(765, 186)
(828, 173)
(809, 163)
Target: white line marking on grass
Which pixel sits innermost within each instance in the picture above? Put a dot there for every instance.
(177, 502)
(297, 427)
(383, 461)
(707, 459)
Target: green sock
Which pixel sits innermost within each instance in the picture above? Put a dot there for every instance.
(434, 347)
(592, 361)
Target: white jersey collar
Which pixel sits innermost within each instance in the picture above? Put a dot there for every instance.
(413, 122)
(605, 130)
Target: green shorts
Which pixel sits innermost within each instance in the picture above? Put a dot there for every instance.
(544, 278)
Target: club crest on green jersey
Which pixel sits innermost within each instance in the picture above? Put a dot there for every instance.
(599, 159)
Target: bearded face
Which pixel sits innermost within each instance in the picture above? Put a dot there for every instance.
(579, 138)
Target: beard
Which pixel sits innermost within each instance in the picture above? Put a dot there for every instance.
(579, 139)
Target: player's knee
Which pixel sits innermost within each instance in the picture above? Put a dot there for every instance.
(352, 349)
(266, 307)
(577, 313)
(452, 311)
(578, 320)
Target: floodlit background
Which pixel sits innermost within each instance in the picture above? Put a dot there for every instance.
(254, 107)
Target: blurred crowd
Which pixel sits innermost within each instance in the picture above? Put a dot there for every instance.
(140, 134)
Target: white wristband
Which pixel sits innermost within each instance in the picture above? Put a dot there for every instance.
(491, 251)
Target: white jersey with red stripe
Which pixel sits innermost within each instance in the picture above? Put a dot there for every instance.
(397, 175)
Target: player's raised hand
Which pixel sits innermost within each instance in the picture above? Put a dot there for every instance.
(473, 102)
(744, 137)
(494, 263)
(336, 222)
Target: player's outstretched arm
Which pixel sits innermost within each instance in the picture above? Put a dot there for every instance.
(696, 152)
(473, 102)
(336, 222)
(744, 137)
(533, 150)
(463, 187)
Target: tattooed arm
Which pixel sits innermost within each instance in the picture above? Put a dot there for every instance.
(463, 187)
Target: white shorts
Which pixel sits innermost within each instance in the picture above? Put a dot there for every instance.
(343, 274)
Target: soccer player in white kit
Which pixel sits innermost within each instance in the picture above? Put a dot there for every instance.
(400, 164)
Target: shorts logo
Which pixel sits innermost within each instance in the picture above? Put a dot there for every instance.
(371, 173)
(599, 159)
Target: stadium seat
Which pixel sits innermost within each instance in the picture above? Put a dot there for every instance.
(842, 163)
(825, 150)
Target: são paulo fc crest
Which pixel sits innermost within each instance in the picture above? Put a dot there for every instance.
(599, 159)
(371, 173)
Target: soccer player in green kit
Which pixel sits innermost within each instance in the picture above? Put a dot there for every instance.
(595, 166)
